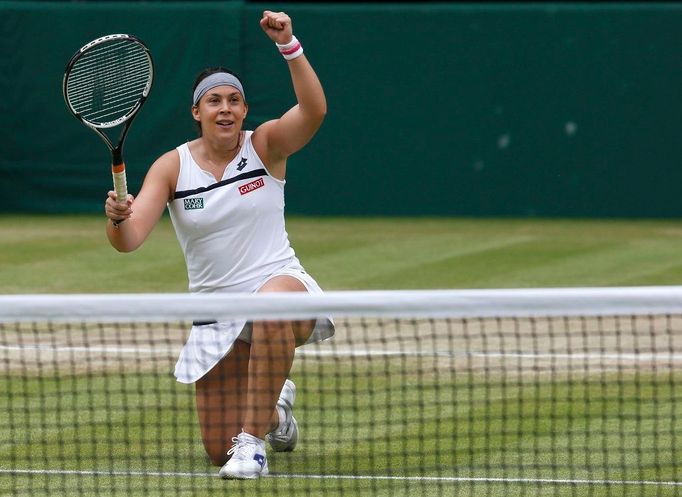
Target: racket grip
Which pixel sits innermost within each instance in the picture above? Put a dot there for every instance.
(118, 171)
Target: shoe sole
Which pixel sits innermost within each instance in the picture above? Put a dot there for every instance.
(243, 476)
(294, 440)
(253, 476)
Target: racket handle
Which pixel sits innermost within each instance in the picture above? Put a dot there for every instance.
(118, 171)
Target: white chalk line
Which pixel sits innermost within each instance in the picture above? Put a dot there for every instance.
(434, 479)
(364, 352)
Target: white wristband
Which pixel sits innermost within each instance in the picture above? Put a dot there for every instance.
(290, 50)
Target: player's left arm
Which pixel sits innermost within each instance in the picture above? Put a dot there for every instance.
(279, 138)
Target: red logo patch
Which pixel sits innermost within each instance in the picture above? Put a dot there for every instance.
(249, 187)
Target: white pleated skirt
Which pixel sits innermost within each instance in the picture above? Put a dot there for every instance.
(208, 343)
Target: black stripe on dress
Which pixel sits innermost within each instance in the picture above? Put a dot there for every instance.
(251, 174)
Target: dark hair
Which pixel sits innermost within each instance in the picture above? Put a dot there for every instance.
(205, 74)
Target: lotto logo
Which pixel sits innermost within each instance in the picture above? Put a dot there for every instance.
(249, 187)
(194, 203)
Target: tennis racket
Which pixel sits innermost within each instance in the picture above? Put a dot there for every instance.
(105, 84)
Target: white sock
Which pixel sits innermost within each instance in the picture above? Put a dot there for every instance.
(254, 438)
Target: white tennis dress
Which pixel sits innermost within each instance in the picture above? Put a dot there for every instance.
(233, 237)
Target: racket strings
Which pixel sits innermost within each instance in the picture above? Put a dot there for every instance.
(105, 102)
(107, 57)
(117, 101)
(112, 76)
(82, 81)
(108, 81)
(102, 89)
(135, 65)
(111, 51)
(109, 100)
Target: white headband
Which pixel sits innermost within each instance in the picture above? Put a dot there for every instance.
(216, 79)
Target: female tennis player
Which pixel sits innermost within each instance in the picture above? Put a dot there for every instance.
(225, 194)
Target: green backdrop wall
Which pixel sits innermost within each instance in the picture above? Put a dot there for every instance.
(434, 108)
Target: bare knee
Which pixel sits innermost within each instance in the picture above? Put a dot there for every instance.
(301, 330)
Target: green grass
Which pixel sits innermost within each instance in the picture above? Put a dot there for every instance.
(70, 254)
(362, 424)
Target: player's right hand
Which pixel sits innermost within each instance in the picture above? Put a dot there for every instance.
(115, 210)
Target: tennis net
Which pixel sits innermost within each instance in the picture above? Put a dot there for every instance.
(523, 392)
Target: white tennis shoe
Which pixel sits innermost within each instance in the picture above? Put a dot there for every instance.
(248, 460)
(285, 436)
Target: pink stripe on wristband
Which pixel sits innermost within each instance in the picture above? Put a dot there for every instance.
(291, 50)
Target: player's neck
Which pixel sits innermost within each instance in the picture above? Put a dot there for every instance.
(220, 152)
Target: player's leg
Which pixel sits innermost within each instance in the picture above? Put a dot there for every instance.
(271, 355)
(221, 402)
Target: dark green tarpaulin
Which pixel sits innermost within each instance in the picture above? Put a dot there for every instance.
(434, 109)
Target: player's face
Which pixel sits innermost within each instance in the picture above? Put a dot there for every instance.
(221, 111)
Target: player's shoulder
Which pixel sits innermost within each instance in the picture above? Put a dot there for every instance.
(260, 135)
(167, 165)
(260, 140)
(169, 158)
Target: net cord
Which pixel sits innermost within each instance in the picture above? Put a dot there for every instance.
(498, 303)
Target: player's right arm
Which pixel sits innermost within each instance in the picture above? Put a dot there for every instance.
(139, 215)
